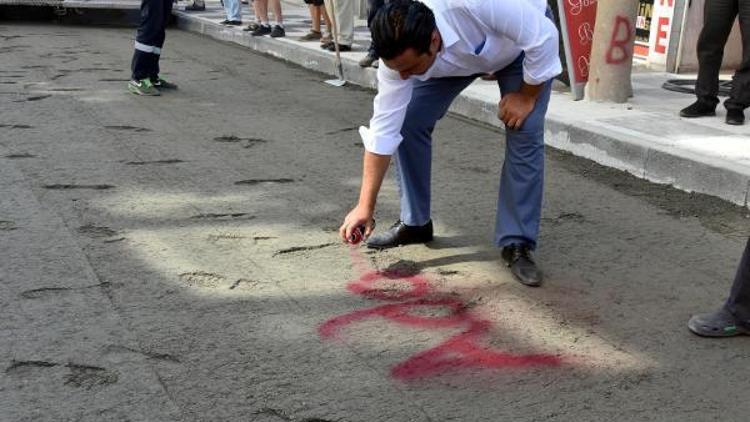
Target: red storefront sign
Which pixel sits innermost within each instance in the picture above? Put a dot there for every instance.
(577, 18)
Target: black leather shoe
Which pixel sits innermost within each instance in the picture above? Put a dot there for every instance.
(698, 109)
(735, 116)
(518, 258)
(401, 234)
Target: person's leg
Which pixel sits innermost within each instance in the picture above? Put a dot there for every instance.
(276, 8)
(345, 21)
(261, 11)
(734, 317)
(519, 204)
(718, 19)
(328, 23)
(740, 95)
(233, 11)
(738, 302)
(429, 103)
(372, 55)
(149, 39)
(315, 16)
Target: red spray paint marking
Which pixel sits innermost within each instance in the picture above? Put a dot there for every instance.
(620, 46)
(463, 350)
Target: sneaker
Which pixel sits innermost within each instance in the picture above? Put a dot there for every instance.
(331, 46)
(195, 7)
(368, 60)
(143, 87)
(252, 27)
(232, 23)
(161, 83)
(277, 31)
(716, 324)
(698, 109)
(311, 36)
(261, 30)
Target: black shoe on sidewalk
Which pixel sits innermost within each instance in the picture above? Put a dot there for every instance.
(401, 234)
(716, 324)
(698, 109)
(518, 258)
(195, 8)
(368, 60)
(735, 117)
(277, 31)
(261, 30)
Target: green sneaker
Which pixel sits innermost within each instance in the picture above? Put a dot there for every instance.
(162, 83)
(143, 87)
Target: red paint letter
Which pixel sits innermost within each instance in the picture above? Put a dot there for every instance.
(622, 37)
(661, 34)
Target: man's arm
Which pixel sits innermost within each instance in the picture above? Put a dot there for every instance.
(381, 140)
(373, 172)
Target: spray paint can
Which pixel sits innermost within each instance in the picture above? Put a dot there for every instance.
(357, 235)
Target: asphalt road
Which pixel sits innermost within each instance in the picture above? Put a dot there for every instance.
(175, 259)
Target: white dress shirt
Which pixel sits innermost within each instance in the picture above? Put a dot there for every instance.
(478, 36)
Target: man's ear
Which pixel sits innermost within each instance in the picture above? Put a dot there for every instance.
(435, 41)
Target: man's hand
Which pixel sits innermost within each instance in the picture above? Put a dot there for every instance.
(515, 107)
(358, 217)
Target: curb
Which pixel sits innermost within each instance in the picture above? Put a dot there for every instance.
(615, 147)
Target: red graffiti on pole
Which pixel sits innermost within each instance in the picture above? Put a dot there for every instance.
(463, 350)
(620, 46)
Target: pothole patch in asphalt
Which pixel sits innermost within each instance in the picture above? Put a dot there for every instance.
(20, 156)
(154, 162)
(114, 349)
(253, 182)
(232, 139)
(302, 249)
(88, 377)
(96, 231)
(223, 216)
(7, 226)
(78, 187)
(33, 98)
(15, 126)
(128, 128)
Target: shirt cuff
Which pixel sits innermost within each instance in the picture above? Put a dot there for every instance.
(382, 146)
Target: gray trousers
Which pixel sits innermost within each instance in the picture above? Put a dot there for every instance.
(739, 298)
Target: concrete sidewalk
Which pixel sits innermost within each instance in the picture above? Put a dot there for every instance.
(645, 137)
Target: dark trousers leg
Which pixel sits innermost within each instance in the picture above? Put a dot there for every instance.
(372, 8)
(150, 37)
(717, 24)
(740, 95)
(739, 298)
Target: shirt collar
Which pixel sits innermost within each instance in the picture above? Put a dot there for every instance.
(448, 37)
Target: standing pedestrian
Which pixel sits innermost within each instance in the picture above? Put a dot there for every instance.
(149, 39)
(718, 19)
(734, 317)
(261, 8)
(233, 11)
(344, 14)
(371, 59)
(317, 11)
(431, 51)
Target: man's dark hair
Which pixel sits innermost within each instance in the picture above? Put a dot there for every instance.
(402, 24)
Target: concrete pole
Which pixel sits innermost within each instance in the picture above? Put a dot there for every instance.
(612, 51)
